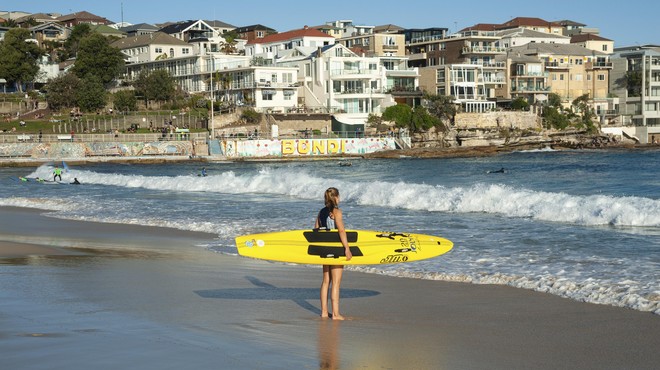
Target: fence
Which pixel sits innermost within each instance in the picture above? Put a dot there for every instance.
(102, 138)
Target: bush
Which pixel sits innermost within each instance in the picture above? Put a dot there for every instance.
(251, 116)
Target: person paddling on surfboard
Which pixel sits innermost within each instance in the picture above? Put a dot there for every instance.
(330, 217)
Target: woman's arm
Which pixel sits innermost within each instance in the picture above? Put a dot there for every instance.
(339, 223)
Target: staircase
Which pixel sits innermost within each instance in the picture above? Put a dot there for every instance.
(214, 148)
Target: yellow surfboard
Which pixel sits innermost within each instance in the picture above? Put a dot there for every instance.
(322, 247)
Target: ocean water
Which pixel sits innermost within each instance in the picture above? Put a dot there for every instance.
(584, 225)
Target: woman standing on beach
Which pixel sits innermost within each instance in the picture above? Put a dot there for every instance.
(330, 217)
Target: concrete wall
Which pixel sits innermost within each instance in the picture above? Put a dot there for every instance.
(495, 120)
(82, 150)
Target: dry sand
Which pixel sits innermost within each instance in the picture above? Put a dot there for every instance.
(76, 295)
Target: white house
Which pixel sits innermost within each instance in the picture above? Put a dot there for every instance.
(276, 44)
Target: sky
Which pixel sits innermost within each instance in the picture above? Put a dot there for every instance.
(636, 24)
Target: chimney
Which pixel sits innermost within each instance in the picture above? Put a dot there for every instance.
(306, 27)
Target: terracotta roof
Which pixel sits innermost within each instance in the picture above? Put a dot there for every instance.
(80, 15)
(568, 22)
(388, 28)
(37, 17)
(527, 22)
(582, 37)
(481, 27)
(290, 35)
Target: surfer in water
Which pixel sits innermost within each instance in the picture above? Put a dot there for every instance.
(57, 173)
(330, 217)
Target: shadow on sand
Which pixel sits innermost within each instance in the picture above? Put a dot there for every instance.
(268, 292)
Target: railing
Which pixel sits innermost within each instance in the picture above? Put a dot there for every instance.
(493, 64)
(530, 74)
(558, 65)
(481, 49)
(103, 138)
(351, 72)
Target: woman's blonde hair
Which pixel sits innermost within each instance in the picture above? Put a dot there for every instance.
(332, 198)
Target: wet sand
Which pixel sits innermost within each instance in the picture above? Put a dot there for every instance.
(81, 295)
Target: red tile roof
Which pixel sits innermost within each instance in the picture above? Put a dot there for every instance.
(527, 22)
(291, 35)
(582, 37)
(481, 27)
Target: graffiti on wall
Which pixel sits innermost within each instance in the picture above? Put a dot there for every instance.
(305, 147)
(96, 149)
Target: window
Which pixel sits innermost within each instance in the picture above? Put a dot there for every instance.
(605, 47)
(171, 53)
(601, 77)
(260, 34)
(159, 50)
(267, 94)
(185, 51)
(561, 77)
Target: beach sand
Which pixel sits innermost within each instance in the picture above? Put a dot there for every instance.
(80, 295)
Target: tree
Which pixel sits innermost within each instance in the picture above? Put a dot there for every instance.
(441, 106)
(581, 106)
(519, 104)
(421, 120)
(18, 58)
(401, 114)
(553, 118)
(91, 96)
(633, 83)
(73, 41)
(125, 100)
(554, 100)
(61, 91)
(96, 57)
(157, 85)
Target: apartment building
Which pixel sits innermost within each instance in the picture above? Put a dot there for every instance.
(196, 69)
(480, 51)
(572, 69)
(346, 28)
(376, 44)
(74, 19)
(593, 42)
(254, 32)
(190, 30)
(272, 46)
(636, 83)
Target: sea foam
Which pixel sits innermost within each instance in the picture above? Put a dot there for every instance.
(499, 199)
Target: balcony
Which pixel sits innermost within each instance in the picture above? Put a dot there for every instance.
(557, 65)
(529, 74)
(483, 50)
(598, 65)
(367, 73)
(498, 65)
(527, 89)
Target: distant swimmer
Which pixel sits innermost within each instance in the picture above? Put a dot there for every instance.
(75, 181)
(24, 179)
(203, 172)
(501, 170)
(345, 164)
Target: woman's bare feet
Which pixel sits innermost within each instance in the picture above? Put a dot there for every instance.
(325, 315)
(337, 317)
